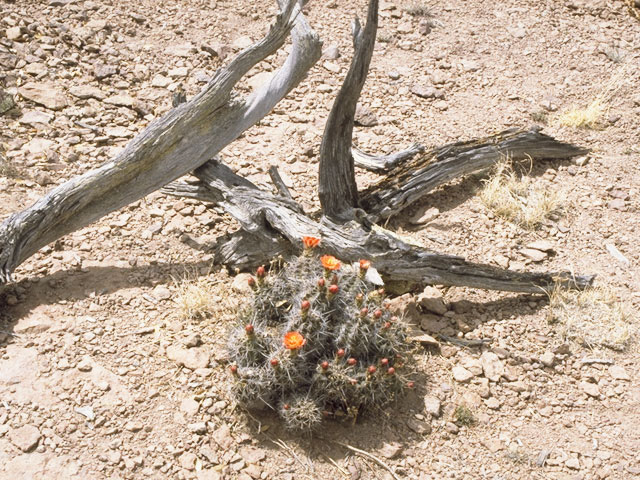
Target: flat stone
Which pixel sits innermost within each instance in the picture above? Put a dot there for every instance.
(208, 474)
(192, 358)
(590, 389)
(160, 81)
(46, 94)
(425, 92)
(471, 400)
(241, 283)
(391, 450)
(188, 460)
(36, 69)
(26, 438)
(118, 132)
(183, 50)
(252, 455)
(542, 245)
(433, 323)
(619, 373)
(573, 463)
(35, 117)
(365, 117)
(222, 436)
(133, 426)
(431, 299)
(492, 366)
(492, 403)
(432, 405)
(533, 254)
(461, 374)
(14, 33)
(102, 71)
(37, 145)
(423, 217)
(493, 445)
(418, 426)
(548, 359)
(120, 100)
(87, 91)
(189, 406)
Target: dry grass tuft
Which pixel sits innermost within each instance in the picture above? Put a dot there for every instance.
(594, 317)
(518, 200)
(418, 10)
(463, 416)
(6, 169)
(195, 298)
(591, 116)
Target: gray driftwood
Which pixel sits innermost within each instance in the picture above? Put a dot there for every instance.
(272, 225)
(169, 148)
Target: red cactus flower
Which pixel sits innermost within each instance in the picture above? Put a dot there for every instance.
(294, 340)
(305, 305)
(249, 329)
(275, 362)
(310, 242)
(391, 371)
(340, 353)
(377, 313)
(352, 361)
(251, 282)
(260, 271)
(372, 369)
(324, 365)
(365, 264)
(233, 369)
(330, 262)
(384, 362)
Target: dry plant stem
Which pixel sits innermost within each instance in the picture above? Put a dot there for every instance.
(271, 227)
(337, 189)
(370, 456)
(414, 179)
(384, 163)
(169, 148)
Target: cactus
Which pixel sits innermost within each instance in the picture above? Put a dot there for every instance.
(317, 340)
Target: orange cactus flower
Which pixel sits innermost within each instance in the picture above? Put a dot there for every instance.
(365, 264)
(310, 242)
(330, 262)
(294, 340)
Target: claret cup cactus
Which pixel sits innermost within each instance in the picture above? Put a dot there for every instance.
(317, 340)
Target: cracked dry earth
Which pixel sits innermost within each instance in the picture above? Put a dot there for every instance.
(101, 374)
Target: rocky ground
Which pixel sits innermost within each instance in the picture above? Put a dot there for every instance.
(103, 376)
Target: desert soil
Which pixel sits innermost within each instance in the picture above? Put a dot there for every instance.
(102, 375)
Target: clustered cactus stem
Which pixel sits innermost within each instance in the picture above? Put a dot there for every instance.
(317, 340)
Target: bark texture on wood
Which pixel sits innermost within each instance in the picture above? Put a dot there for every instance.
(169, 148)
(412, 180)
(384, 163)
(272, 224)
(337, 189)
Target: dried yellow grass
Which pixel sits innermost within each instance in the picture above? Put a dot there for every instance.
(195, 298)
(594, 317)
(591, 116)
(518, 199)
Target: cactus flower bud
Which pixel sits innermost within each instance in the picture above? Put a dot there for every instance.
(377, 313)
(321, 283)
(352, 361)
(286, 406)
(364, 311)
(324, 365)
(305, 305)
(333, 289)
(249, 329)
(260, 271)
(234, 369)
(372, 369)
(384, 362)
(275, 362)
(251, 282)
(411, 384)
(387, 325)
(340, 353)
(391, 371)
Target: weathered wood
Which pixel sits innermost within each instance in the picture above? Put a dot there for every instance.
(414, 179)
(169, 148)
(272, 224)
(337, 189)
(384, 163)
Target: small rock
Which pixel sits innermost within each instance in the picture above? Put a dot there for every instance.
(492, 403)
(161, 293)
(365, 117)
(424, 92)
(493, 445)
(241, 283)
(102, 71)
(120, 101)
(222, 436)
(451, 428)
(332, 52)
(432, 405)
(35, 117)
(432, 299)
(192, 358)
(199, 428)
(253, 455)
(188, 460)
(14, 33)
(391, 450)
(133, 426)
(189, 406)
(114, 457)
(548, 359)
(193, 341)
(542, 245)
(461, 374)
(573, 463)
(26, 438)
(84, 365)
(533, 254)
(619, 373)
(418, 426)
(617, 204)
(590, 389)
(424, 217)
(471, 400)
(492, 366)
(433, 323)
(86, 412)
(46, 94)
(87, 91)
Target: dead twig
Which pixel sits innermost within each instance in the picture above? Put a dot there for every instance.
(370, 456)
